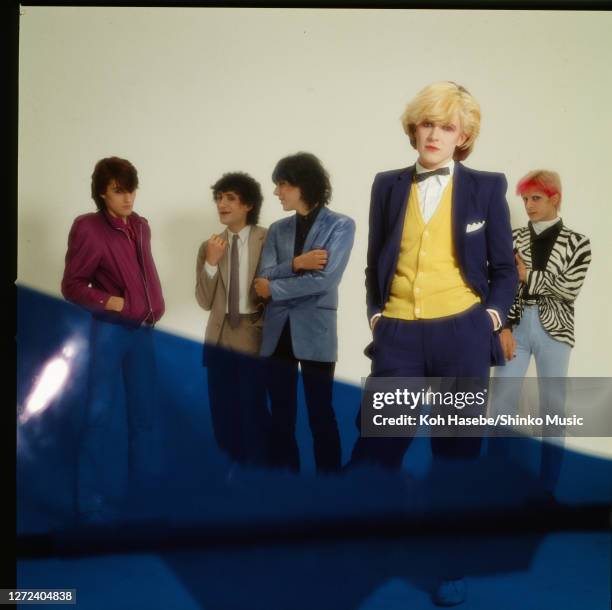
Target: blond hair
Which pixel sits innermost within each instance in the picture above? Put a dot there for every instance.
(439, 102)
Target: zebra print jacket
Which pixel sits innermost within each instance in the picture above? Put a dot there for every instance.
(555, 289)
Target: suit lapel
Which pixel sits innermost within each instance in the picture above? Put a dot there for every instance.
(319, 222)
(462, 193)
(224, 262)
(255, 245)
(559, 248)
(394, 221)
(524, 246)
(287, 238)
(399, 206)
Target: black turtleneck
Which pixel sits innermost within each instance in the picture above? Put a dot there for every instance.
(541, 246)
(303, 224)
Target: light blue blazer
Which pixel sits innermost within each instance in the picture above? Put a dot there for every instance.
(309, 299)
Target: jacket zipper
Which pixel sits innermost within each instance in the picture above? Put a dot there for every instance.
(144, 280)
(142, 274)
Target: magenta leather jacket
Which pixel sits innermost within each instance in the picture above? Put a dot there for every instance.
(101, 262)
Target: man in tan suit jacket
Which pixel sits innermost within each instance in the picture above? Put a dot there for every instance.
(225, 269)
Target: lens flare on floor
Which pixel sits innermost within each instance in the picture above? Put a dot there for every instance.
(50, 382)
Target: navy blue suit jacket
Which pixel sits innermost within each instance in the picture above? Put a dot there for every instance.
(482, 237)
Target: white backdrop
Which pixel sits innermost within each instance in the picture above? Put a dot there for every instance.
(189, 93)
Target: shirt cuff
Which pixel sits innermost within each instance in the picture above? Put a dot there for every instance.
(496, 319)
(373, 318)
(211, 270)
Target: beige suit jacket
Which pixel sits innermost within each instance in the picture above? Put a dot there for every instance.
(211, 294)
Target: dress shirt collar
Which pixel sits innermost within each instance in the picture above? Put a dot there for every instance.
(243, 235)
(541, 226)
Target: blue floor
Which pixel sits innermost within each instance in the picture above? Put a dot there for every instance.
(245, 561)
(569, 571)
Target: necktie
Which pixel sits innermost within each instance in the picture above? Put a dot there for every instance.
(234, 289)
(442, 171)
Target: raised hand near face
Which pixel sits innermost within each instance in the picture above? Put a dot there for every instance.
(215, 249)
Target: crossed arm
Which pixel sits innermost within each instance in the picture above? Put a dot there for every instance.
(281, 281)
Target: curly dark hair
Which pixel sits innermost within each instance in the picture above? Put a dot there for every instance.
(305, 171)
(246, 187)
(109, 169)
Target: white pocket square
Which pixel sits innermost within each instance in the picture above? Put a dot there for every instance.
(474, 226)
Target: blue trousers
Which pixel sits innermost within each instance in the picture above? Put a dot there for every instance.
(452, 347)
(552, 362)
(119, 356)
(237, 399)
(282, 384)
(551, 356)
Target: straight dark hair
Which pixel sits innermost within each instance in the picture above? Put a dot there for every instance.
(305, 171)
(109, 169)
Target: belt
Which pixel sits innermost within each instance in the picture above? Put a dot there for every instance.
(252, 317)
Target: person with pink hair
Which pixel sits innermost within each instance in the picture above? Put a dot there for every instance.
(552, 263)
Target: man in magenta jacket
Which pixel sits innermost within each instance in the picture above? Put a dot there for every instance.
(110, 271)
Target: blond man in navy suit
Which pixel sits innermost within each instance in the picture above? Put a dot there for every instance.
(440, 275)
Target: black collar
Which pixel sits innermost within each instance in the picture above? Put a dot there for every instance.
(308, 219)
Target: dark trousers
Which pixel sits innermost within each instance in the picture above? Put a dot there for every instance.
(237, 398)
(456, 348)
(118, 352)
(318, 378)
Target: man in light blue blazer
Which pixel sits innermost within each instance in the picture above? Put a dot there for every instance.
(301, 266)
